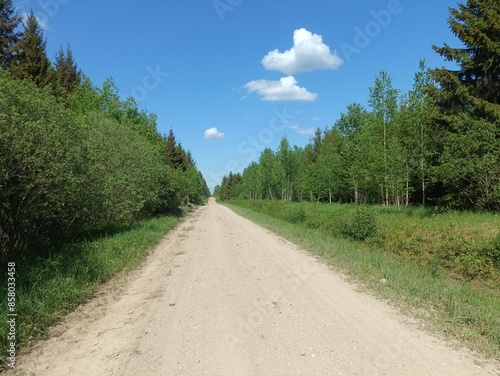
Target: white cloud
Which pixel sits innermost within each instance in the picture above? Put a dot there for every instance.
(304, 131)
(213, 134)
(286, 89)
(308, 53)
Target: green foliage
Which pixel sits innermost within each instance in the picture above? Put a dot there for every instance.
(464, 246)
(9, 37)
(41, 157)
(67, 73)
(469, 105)
(469, 164)
(67, 170)
(31, 61)
(476, 85)
(125, 171)
(363, 225)
(231, 187)
(296, 214)
(492, 251)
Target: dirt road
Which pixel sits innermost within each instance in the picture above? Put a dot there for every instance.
(222, 296)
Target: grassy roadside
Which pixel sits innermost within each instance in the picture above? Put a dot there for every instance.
(461, 309)
(48, 288)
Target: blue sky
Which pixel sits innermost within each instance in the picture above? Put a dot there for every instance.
(231, 77)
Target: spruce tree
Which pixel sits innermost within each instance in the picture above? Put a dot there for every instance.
(31, 61)
(475, 86)
(67, 73)
(9, 21)
(469, 103)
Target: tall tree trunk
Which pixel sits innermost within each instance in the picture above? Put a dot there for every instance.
(385, 164)
(270, 192)
(407, 183)
(422, 163)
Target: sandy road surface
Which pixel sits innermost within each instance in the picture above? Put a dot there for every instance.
(222, 296)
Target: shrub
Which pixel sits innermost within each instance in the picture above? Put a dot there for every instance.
(363, 225)
(296, 214)
(492, 251)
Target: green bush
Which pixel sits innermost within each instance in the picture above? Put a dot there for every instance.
(492, 251)
(67, 170)
(40, 160)
(296, 214)
(363, 225)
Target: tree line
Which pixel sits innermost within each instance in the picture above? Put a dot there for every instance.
(75, 158)
(438, 144)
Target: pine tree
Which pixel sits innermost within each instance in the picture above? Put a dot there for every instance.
(67, 73)
(32, 62)
(476, 85)
(469, 103)
(9, 37)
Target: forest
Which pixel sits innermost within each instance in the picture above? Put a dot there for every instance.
(74, 158)
(436, 145)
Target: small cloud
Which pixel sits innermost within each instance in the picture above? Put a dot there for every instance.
(308, 53)
(303, 131)
(213, 134)
(286, 89)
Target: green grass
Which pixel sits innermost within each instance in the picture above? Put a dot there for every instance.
(47, 289)
(444, 299)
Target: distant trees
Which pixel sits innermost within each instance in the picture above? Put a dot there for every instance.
(216, 192)
(231, 186)
(374, 156)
